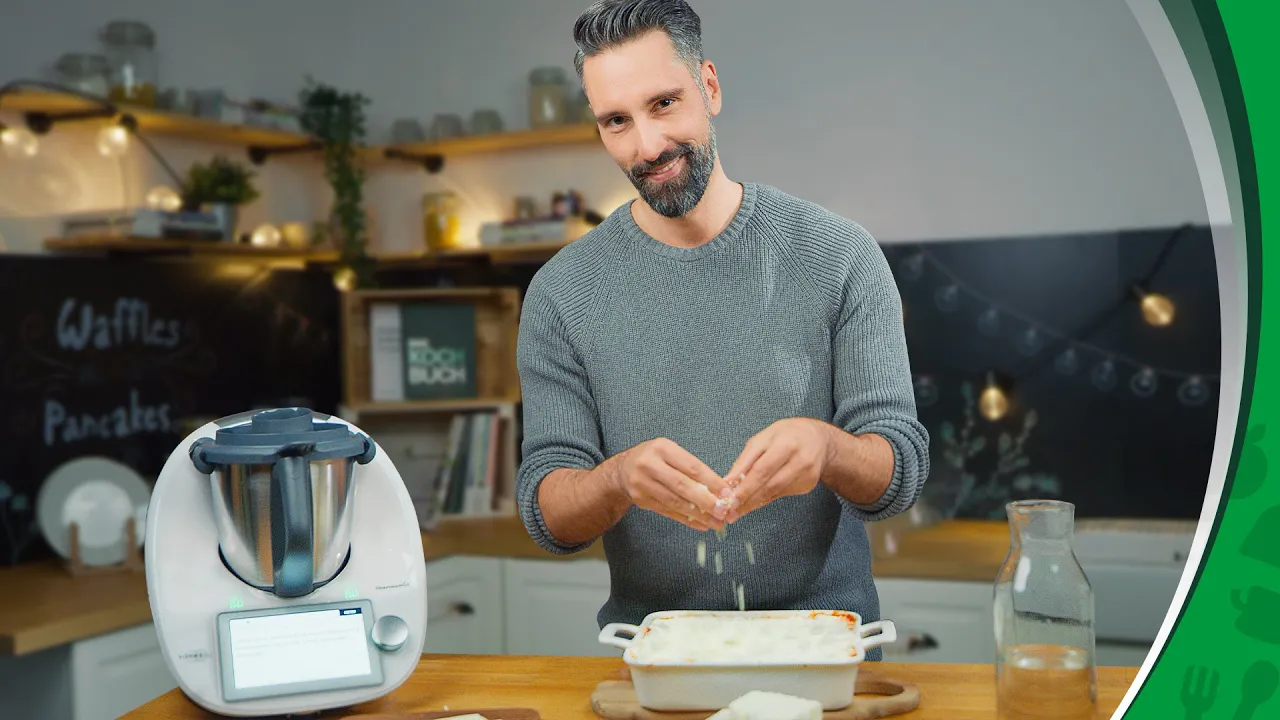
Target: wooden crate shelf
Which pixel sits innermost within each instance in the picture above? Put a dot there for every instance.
(497, 327)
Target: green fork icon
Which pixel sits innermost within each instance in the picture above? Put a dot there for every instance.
(1199, 689)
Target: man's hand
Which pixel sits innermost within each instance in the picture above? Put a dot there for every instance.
(786, 458)
(661, 476)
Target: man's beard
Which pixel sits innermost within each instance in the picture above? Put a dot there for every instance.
(678, 195)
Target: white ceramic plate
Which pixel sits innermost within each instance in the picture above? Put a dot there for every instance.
(98, 494)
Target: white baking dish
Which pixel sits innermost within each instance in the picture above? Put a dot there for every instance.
(703, 660)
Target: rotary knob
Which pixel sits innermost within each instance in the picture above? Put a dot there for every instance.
(389, 633)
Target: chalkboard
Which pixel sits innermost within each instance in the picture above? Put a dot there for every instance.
(1097, 442)
(118, 359)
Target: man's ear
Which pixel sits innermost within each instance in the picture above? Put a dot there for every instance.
(711, 81)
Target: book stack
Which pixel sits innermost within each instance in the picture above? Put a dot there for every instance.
(465, 484)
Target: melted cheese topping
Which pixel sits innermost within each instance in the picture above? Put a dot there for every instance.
(726, 637)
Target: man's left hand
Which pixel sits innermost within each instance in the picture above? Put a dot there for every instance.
(786, 458)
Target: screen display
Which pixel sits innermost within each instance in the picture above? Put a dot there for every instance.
(303, 649)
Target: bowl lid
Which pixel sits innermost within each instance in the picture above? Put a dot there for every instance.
(271, 434)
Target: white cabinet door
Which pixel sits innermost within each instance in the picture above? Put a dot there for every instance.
(114, 673)
(464, 606)
(938, 621)
(552, 605)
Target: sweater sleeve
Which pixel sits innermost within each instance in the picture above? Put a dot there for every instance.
(872, 387)
(561, 429)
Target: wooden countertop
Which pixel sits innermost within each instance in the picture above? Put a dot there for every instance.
(559, 688)
(43, 606)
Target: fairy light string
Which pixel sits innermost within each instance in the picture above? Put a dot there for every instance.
(1043, 346)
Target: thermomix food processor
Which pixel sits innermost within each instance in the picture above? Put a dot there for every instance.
(284, 566)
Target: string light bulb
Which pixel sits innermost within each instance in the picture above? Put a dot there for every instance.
(113, 141)
(163, 197)
(344, 279)
(1157, 309)
(993, 403)
(18, 143)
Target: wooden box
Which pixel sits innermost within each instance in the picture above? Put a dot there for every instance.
(497, 320)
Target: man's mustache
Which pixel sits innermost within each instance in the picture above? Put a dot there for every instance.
(642, 168)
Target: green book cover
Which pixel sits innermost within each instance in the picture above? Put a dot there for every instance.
(439, 350)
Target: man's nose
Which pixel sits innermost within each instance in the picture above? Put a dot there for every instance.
(652, 143)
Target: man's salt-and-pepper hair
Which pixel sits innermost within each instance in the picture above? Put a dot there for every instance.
(609, 23)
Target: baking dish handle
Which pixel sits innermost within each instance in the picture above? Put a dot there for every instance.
(609, 635)
(886, 634)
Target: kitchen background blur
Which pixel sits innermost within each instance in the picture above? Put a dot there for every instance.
(1022, 163)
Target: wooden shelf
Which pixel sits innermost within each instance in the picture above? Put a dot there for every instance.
(433, 406)
(152, 246)
(499, 142)
(267, 140)
(119, 245)
(160, 122)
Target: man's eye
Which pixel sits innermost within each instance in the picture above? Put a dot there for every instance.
(666, 102)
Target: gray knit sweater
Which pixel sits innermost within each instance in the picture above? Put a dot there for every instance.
(791, 311)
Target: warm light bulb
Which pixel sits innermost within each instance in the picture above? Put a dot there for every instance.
(113, 141)
(344, 279)
(18, 143)
(265, 236)
(1157, 309)
(992, 403)
(162, 197)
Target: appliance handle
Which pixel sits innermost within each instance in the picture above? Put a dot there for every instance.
(292, 559)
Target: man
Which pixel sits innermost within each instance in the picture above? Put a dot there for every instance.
(714, 356)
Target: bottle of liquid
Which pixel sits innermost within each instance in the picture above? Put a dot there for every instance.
(1044, 619)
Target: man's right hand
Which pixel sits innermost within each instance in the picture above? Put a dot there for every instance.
(661, 476)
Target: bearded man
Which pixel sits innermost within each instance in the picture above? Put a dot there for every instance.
(715, 379)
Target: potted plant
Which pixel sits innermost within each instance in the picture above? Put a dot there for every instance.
(337, 120)
(220, 186)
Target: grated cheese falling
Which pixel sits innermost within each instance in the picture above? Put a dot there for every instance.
(751, 556)
(702, 553)
(742, 605)
(719, 566)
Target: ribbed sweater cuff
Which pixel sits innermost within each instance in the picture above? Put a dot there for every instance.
(535, 471)
(904, 486)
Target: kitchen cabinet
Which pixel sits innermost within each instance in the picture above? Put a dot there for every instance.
(115, 673)
(551, 607)
(464, 606)
(938, 621)
(98, 678)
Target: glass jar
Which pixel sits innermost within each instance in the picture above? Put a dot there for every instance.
(131, 48)
(1044, 619)
(89, 74)
(548, 97)
(440, 220)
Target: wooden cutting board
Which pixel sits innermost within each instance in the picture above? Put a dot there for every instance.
(616, 700)
(487, 713)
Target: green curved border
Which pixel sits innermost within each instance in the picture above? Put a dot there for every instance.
(1217, 653)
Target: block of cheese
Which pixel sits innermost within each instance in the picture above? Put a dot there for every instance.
(762, 705)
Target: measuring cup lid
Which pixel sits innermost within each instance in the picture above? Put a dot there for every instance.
(271, 433)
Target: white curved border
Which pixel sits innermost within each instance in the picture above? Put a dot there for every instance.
(1228, 250)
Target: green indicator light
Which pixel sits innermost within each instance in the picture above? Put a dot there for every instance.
(351, 594)
(235, 603)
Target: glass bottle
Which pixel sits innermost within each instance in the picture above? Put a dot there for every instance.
(85, 72)
(548, 97)
(440, 221)
(1044, 619)
(131, 47)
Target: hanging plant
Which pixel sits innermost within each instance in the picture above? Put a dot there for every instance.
(337, 120)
